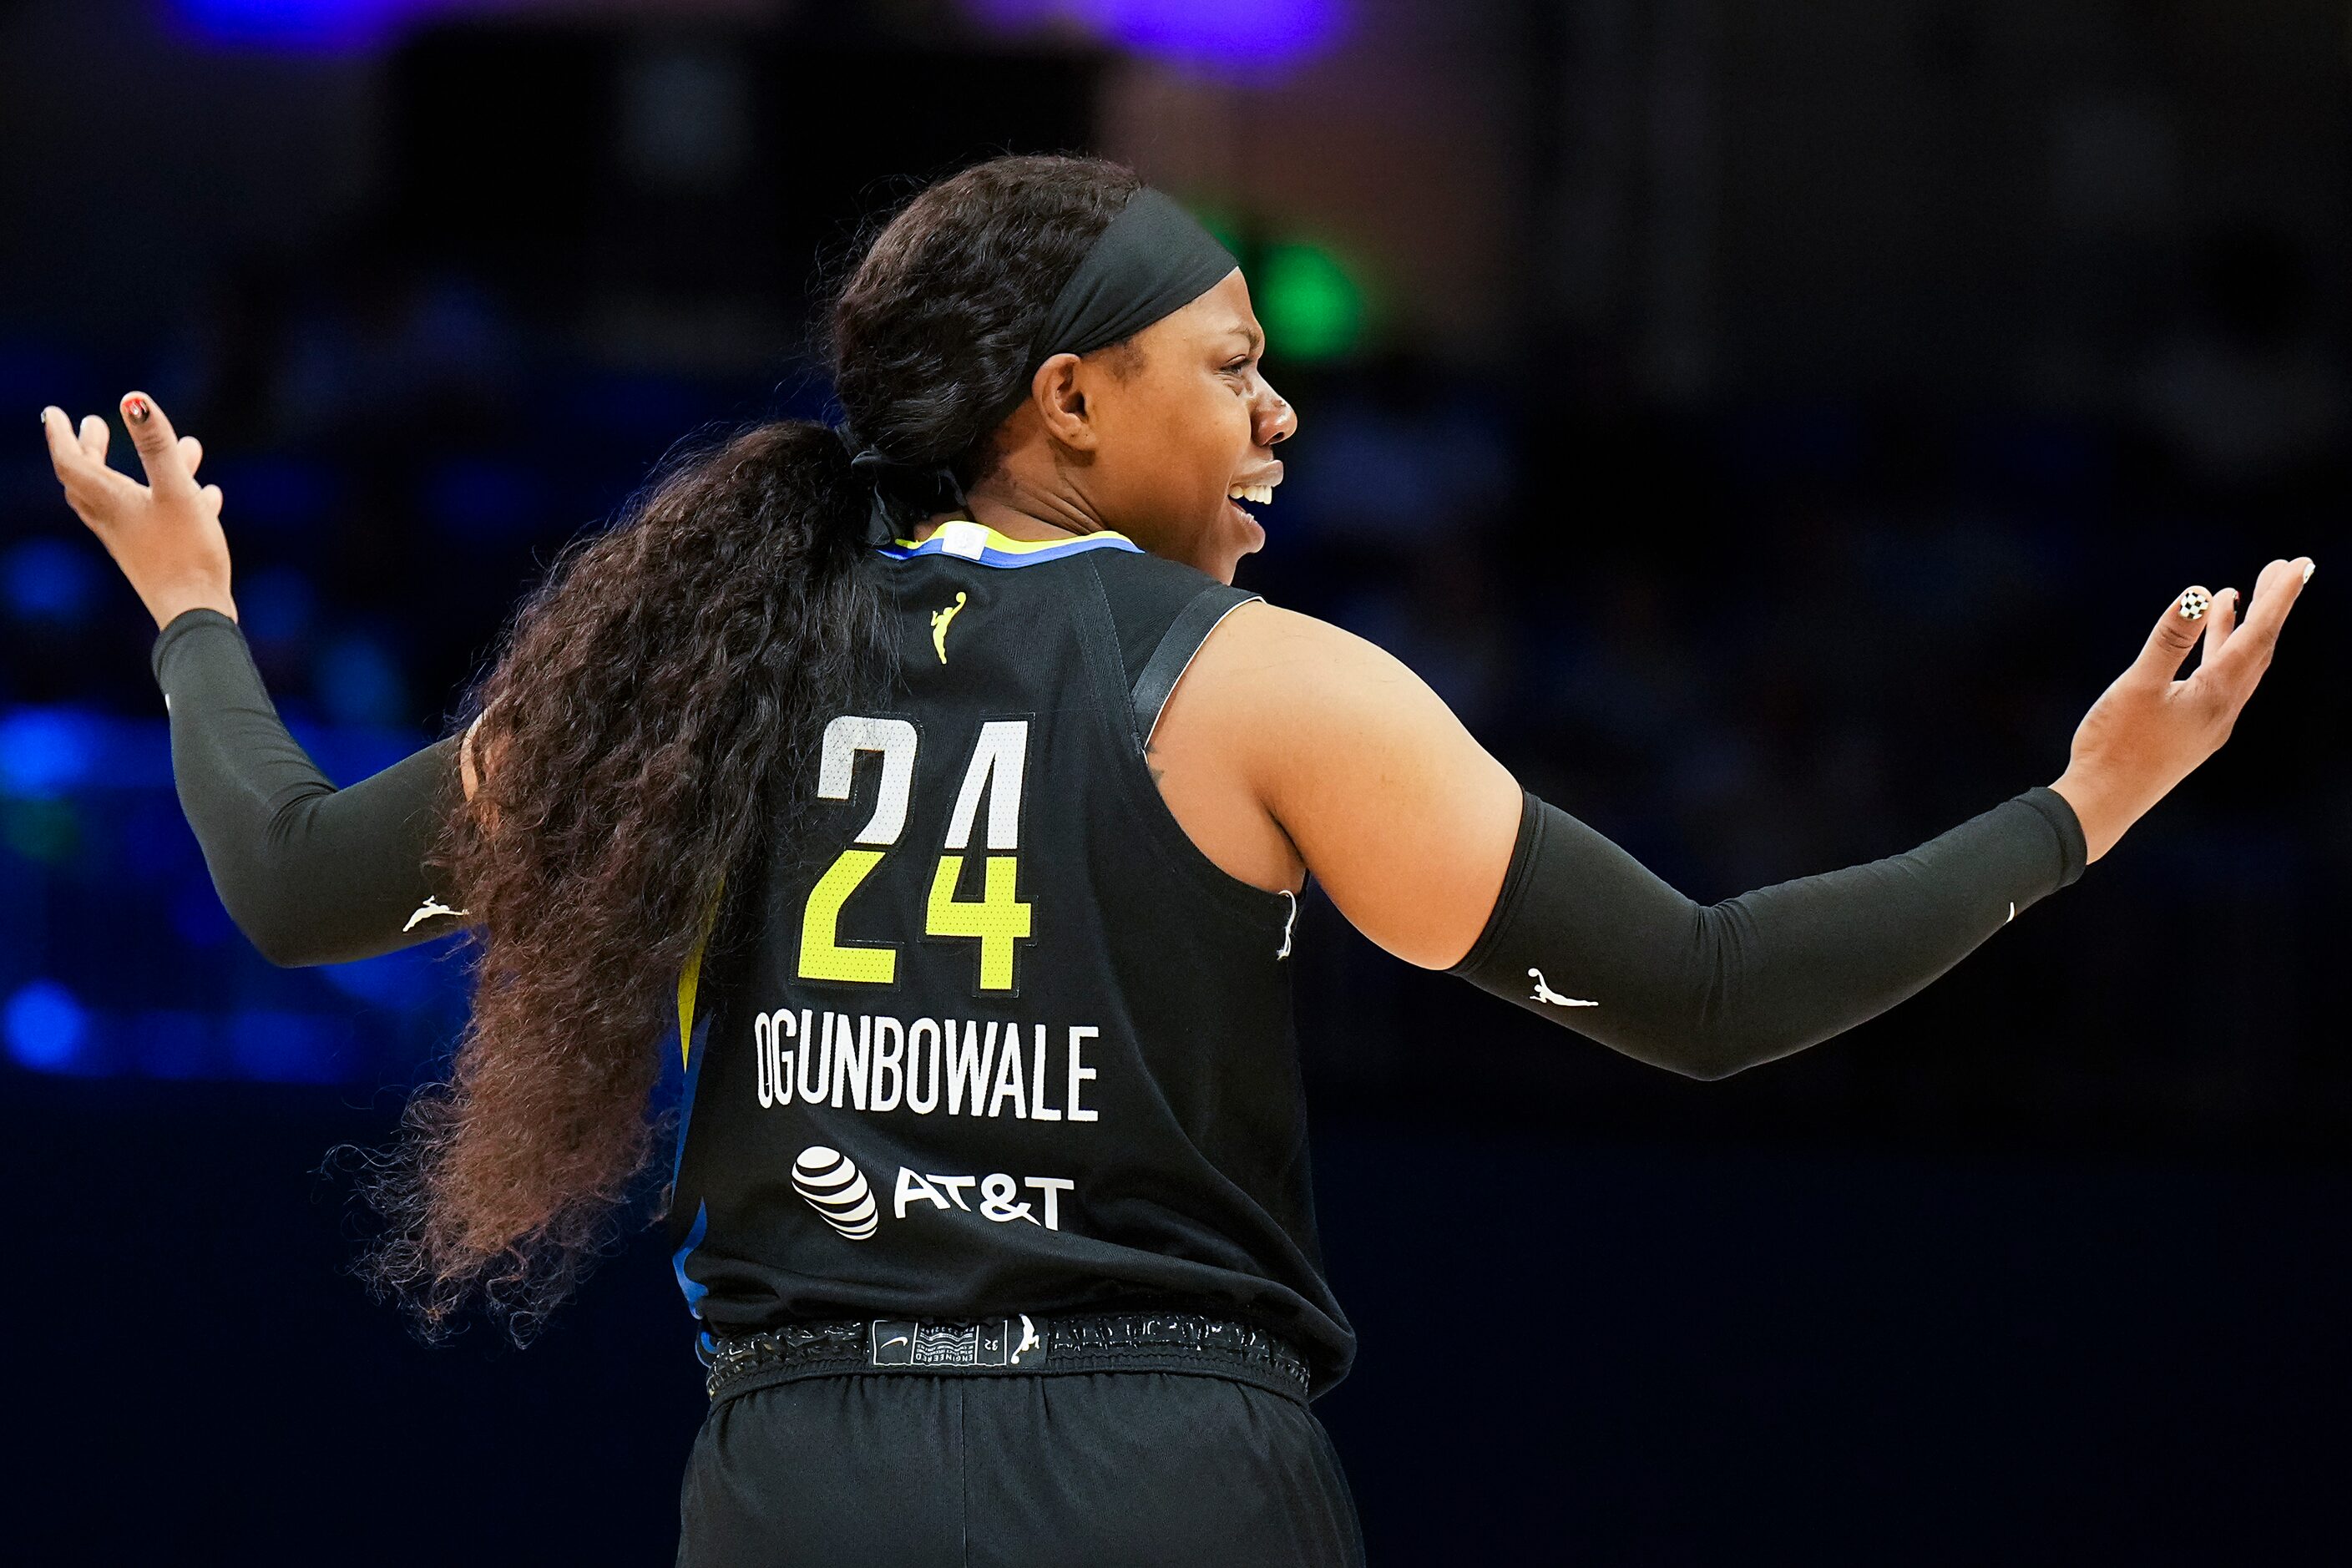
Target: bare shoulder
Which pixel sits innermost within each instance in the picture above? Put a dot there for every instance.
(1277, 659)
(1406, 820)
(1294, 687)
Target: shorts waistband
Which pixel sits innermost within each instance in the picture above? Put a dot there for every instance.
(1017, 1345)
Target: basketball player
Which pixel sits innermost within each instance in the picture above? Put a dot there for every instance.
(933, 773)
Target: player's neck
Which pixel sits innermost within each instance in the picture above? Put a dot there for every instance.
(1021, 511)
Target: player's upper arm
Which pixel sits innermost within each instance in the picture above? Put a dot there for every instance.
(1399, 812)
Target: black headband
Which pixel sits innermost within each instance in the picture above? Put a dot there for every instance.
(1151, 261)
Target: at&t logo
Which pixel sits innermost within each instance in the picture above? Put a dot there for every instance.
(836, 1189)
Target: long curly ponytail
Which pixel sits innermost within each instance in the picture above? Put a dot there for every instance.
(651, 720)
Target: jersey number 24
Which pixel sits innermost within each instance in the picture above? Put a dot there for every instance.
(996, 921)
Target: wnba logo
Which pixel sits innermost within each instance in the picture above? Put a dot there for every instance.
(836, 1189)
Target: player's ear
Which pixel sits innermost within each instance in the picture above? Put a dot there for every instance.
(1060, 398)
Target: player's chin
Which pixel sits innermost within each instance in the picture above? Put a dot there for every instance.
(1246, 529)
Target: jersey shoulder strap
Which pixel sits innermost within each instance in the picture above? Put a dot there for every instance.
(1159, 613)
(1176, 647)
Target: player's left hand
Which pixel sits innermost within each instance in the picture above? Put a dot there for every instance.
(165, 534)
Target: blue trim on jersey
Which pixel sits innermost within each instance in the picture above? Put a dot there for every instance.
(996, 549)
(696, 1049)
(695, 1290)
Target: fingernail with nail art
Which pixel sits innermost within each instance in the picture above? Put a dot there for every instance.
(2308, 568)
(136, 408)
(2193, 605)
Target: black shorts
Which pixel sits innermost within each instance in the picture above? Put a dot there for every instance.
(1108, 1469)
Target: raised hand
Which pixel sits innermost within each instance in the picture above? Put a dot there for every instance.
(2148, 730)
(165, 534)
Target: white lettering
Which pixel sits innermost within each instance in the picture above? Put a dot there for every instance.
(999, 1199)
(912, 1187)
(967, 1069)
(1008, 1076)
(1077, 1073)
(1053, 1187)
(876, 1063)
(780, 1026)
(925, 1103)
(1038, 1110)
(890, 1048)
(816, 1049)
(849, 1060)
(762, 1042)
(996, 1200)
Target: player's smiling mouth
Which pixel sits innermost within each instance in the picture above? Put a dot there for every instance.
(1256, 488)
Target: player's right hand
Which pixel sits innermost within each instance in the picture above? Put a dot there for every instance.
(165, 534)
(2149, 731)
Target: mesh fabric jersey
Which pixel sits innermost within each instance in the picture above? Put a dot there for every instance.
(1004, 1038)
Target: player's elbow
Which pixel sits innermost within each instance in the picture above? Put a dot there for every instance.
(1709, 1056)
(1690, 1068)
(1703, 1065)
(1716, 1069)
(273, 924)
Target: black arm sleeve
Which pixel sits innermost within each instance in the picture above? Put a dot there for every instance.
(1583, 935)
(311, 874)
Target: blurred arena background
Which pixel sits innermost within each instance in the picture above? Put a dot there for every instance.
(1770, 427)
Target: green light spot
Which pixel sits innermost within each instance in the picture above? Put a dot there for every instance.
(1221, 222)
(1312, 309)
(46, 830)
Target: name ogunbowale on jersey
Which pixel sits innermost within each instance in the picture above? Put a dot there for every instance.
(1007, 1040)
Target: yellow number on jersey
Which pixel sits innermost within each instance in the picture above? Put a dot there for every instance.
(998, 920)
(821, 956)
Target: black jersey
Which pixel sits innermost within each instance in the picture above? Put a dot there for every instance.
(1006, 1040)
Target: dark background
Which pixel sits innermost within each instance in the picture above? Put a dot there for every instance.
(1768, 425)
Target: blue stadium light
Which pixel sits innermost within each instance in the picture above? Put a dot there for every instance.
(47, 1028)
(175, 1043)
(197, 917)
(278, 490)
(359, 681)
(46, 751)
(405, 979)
(482, 498)
(285, 1047)
(276, 605)
(50, 579)
(327, 26)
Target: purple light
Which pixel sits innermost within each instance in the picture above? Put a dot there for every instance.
(1232, 32)
(1226, 36)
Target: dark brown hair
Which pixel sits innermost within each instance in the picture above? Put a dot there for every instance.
(649, 724)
